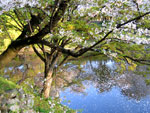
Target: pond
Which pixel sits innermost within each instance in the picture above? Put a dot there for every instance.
(90, 85)
(107, 92)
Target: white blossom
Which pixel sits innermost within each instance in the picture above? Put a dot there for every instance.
(7, 5)
(113, 54)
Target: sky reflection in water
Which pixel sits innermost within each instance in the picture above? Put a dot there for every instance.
(110, 101)
(107, 102)
(100, 90)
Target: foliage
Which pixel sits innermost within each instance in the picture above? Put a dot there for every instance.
(85, 25)
(50, 105)
(115, 28)
(40, 104)
(6, 85)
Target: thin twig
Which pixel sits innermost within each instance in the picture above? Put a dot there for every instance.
(16, 13)
(63, 61)
(142, 61)
(52, 15)
(6, 30)
(29, 22)
(137, 6)
(14, 20)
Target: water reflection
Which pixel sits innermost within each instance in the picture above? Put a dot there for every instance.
(106, 91)
(91, 85)
(22, 68)
(103, 77)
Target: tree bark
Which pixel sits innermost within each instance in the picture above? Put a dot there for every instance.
(48, 72)
(12, 51)
(8, 55)
(23, 41)
(47, 84)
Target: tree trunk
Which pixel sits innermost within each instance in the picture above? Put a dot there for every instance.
(49, 70)
(17, 45)
(8, 55)
(12, 51)
(47, 84)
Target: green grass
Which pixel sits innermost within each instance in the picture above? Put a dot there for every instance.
(6, 85)
(43, 106)
(40, 104)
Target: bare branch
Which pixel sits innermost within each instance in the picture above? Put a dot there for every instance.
(42, 49)
(53, 12)
(59, 13)
(137, 6)
(6, 30)
(16, 13)
(142, 61)
(15, 20)
(63, 61)
(38, 54)
(15, 27)
(59, 48)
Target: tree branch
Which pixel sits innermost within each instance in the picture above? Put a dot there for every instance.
(38, 54)
(6, 30)
(60, 12)
(16, 13)
(64, 60)
(82, 51)
(136, 18)
(137, 6)
(142, 61)
(15, 21)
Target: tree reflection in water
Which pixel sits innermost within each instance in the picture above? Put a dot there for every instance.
(103, 78)
(78, 75)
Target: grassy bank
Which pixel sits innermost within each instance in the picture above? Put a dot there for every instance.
(6, 85)
(29, 102)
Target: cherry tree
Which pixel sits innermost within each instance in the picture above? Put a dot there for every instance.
(63, 28)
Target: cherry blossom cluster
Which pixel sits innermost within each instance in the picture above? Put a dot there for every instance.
(6, 5)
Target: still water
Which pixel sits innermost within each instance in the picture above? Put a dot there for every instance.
(90, 85)
(107, 91)
(108, 102)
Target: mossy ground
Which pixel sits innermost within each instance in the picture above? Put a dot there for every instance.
(6, 85)
(51, 106)
(41, 105)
